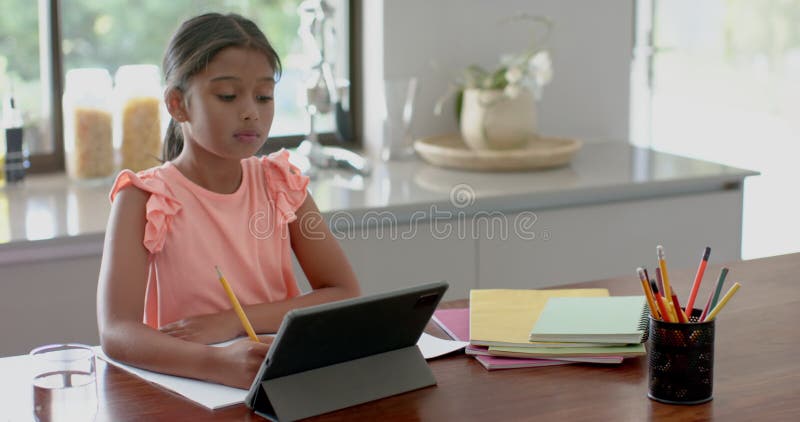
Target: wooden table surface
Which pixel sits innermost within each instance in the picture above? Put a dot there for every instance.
(756, 373)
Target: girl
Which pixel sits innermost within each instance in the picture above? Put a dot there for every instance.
(212, 203)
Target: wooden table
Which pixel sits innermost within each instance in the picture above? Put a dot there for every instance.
(757, 373)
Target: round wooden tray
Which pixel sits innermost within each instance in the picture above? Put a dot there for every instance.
(450, 151)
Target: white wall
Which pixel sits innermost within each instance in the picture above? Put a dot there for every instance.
(591, 46)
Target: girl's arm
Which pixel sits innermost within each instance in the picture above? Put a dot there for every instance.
(323, 262)
(120, 305)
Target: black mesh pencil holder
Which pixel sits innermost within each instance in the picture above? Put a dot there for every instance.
(681, 361)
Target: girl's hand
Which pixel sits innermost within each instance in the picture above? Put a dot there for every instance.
(237, 364)
(205, 329)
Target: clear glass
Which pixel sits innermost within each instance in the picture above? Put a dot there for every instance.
(64, 383)
(398, 96)
(88, 144)
(138, 116)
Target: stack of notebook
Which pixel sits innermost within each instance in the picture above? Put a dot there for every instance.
(527, 328)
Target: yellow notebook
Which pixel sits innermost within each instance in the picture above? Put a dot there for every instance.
(505, 317)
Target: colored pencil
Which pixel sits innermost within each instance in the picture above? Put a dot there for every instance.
(713, 314)
(714, 294)
(660, 281)
(663, 307)
(698, 278)
(662, 264)
(678, 311)
(648, 293)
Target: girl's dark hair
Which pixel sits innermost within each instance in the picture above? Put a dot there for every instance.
(192, 48)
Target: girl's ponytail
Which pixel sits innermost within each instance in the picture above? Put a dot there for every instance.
(173, 141)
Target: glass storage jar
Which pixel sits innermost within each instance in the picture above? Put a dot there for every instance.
(137, 120)
(88, 145)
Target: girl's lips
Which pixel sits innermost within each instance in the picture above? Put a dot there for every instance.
(247, 136)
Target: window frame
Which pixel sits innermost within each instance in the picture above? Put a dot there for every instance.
(52, 71)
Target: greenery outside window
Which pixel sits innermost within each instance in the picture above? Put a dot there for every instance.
(111, 33)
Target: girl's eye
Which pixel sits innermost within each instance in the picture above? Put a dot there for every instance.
(263, 98)
(227, 98)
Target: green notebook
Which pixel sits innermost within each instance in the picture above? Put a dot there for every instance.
(613, 319)
(625, 351)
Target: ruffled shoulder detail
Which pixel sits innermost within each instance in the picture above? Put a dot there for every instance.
(285, 183)
(161, 207)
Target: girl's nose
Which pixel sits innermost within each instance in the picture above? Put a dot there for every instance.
(250, 112)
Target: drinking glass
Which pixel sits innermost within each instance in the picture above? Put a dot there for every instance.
(64, 383)
(398, 95)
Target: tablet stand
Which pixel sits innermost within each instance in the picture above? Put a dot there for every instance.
(341, 385)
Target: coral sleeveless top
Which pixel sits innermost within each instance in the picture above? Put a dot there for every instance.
(189, 230)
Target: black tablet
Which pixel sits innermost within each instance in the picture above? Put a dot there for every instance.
(337, 332)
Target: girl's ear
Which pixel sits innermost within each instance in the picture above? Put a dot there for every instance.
(175, 105)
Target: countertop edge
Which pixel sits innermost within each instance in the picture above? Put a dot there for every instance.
(27, 251)
(90, 244)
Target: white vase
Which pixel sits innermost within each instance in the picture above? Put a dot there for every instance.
(492, 120)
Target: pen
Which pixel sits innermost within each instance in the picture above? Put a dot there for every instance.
(713, 314)
(715, 291)
(698, 278)
(237, 307)
(647, 292)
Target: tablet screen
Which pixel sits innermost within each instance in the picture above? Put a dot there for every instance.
(335, 332)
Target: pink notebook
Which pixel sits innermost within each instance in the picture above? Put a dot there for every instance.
(455, 322)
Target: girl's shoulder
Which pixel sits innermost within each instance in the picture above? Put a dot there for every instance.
(161, 204)
(286, 185)
(152, 181)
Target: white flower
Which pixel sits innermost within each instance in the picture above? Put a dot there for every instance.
(511, 90)
(514, 75)
(541, 68)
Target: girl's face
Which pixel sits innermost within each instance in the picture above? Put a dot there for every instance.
(229, 105)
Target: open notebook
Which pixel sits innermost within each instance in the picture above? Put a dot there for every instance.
(613, 319)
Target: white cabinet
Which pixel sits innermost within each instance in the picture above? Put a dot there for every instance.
(599, 241)
(533, 249)
(386, 259)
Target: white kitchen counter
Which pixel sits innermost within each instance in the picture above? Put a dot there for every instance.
(47, 216)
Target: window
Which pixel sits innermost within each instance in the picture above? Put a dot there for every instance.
(720, 81)
(111, 33)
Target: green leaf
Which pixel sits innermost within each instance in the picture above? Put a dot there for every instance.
(458, 105)
(498, 78)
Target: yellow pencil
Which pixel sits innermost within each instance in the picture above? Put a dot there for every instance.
(662, 265)
(648, 293)
(237, 307)
(732, 291)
